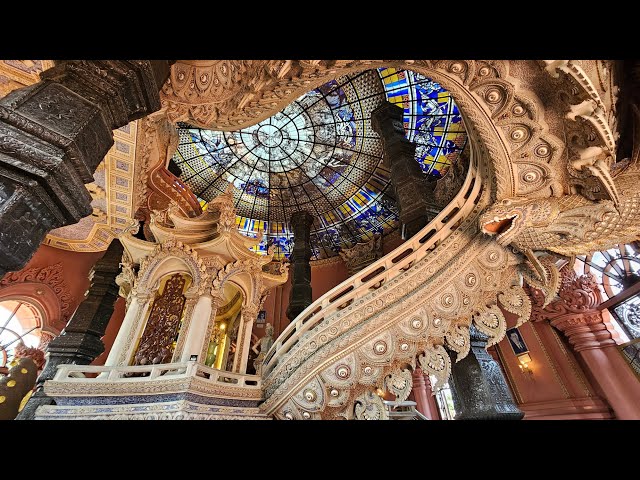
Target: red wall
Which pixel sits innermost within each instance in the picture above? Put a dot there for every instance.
(558, 387)
(75, 267)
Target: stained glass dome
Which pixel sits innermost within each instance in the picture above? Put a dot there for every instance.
(321, 154)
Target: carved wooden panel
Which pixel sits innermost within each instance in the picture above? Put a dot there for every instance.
(158, 340)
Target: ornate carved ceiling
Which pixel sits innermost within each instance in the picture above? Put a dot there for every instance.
(320, 154)
(534, 104)
(515, 113)
(113, 186)
(20, 73)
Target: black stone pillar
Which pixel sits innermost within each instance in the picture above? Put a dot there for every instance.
(300, 269)
(412, 191)
(478, 387)
(81, 340)
(53, 135)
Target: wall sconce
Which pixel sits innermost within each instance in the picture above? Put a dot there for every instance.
(525, 360)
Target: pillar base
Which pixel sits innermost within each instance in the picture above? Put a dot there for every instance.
(479, 389)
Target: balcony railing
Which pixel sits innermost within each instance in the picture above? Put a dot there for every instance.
(146, 373)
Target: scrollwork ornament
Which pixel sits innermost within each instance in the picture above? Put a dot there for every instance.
(399, 383)
(491, 322)
(457, 339)
(436, 362)
(516, 301)
(369, 406)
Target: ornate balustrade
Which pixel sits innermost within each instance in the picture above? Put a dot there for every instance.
(146, 373)
(401, 310)
(181, 390)
(381, 271)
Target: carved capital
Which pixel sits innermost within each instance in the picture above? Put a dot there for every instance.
(575, 312)
(577, 294)
(585, 331)
(250, 312)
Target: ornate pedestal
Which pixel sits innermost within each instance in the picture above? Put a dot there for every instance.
(192, 297)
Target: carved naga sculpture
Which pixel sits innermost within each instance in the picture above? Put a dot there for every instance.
(573, 224)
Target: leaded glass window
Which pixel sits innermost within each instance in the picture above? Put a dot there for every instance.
(321, 154)
(20, 322)
(617, 270)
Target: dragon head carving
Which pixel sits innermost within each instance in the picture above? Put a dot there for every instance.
(511, 217)
(568, 225)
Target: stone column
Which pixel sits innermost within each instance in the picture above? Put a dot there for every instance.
(53, 135)
(81, 340)
(243, 342)
(197, 328)
(576, 315)
(413, 194)
(479, 389)
(127, 324)
(421, 390)
(131, 329)
(300, 269)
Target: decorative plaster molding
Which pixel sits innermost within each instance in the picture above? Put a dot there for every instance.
(53, 277)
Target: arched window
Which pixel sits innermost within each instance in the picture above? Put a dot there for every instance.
(617, 272)
(20, 322)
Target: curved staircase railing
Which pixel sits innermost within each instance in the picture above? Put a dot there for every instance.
(381, 271)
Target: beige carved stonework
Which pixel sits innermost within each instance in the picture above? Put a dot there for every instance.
(519, 158)
(210, 251)
(569, 225)
(399, 383)
(428, 301)
(542, 138)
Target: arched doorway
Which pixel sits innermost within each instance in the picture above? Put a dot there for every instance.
(223, 340)
(160, 334)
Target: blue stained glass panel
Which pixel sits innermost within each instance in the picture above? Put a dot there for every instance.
(320, 154)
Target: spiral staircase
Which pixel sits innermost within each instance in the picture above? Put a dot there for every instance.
(369, 331)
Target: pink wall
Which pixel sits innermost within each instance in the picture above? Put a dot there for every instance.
(558, 387)
(75, 271)
(75, 265)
